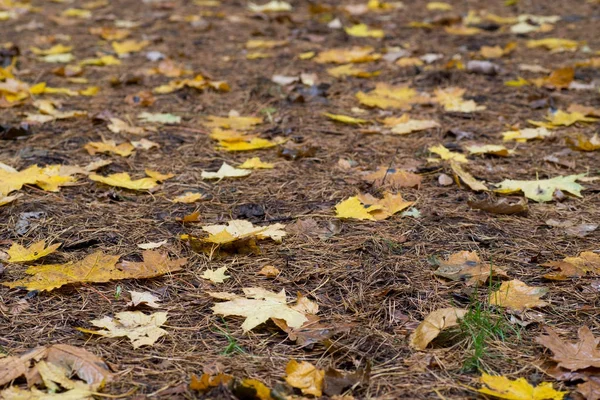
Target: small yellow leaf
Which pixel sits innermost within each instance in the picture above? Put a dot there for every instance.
(118, 125)
(446, 154)
(252, 144)
(362, 30)
(462, 30)
(265, 44)
(351, 70)
(157, 176)
(523, 135)
(413, 125)
(37, 250)
(232, 122)
(520, 81)
(101, 61)
(141, 329)
(77, 13)
(345, 119)
(261, 390)
(353, 208)
(554, 44)
(494, 149)
(542, 190)
(129, 46)
(8, 199)
(345, 56)
(56, 49)
(519, 389)
(188, 197)
(305, 376)
(216, 276)
(467, 178)
(433, 324)
(241, 229)
(110, 146)
(306, 55)
(272, 6)
(123, 180)
(584, 144)
(256, 163)
(452, 100)
(516, 295)
(439, 6)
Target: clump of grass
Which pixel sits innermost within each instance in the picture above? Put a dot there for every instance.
(233, 346)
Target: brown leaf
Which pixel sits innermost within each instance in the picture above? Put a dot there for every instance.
(561, 78)
(570, 267)
(573, 356)
(206, 381)
(336, 381)
(154, 264)
(590, 389)
(393, 178)
(466, 266)
(502, 206)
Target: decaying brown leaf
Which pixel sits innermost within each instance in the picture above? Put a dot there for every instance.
(393, 178)
(502, 206)
(466, 266)
(573, 356)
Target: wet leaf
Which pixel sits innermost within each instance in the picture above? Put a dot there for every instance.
(433, 324)
(141, 329)
(516, 295)
(503, 388)
(305, 376)
(36, 251)
(466, 266)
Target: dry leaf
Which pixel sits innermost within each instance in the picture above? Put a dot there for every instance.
(368, 207)
(97, 268)
(452, 100)
(501, 206)
(433, 324)
(141, 329)
(305, 376)
(151, 245)
(516, 295)
(467, 178)
(143, 298)
(573, 356)
(393, 178)
(570, 267)
(36, 251)
(520, 389)
(466, 266)
(269, 271)
(542, 190)
(110, 146)
(446, 154)
(497, 150)
(188, 198)
(345, 119)
(123, 180)
(256, 163)
(345, 56)
(259, 306)
(216, 276)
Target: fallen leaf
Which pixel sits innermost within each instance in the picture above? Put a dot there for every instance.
(520, 389)
(117, 126)
(393, 178)
(438, 6)
(554, 44)
(562, 118)
(36, 251)
(216, 276)
(466, 266)
(573, 356)
(232, 122)
(123, 180)
(97, 268)
(207, 381)
(345, 119)
(434, 324)
(152, 245)
(446, 154)
(467, 178)
(362, 30)
(516, 295)
(167, 119)
(542, 190)
(501, 206)
(452, 100)
(351, 70)
(256, 163)
(305, 376)
(337, 382)
(523, 135)
(367, 207)
(269, 271)
(141, 329)
(494, 149)
(584, 144)
(226, 171)
(110, 146)
(143, 298)
(272, 6)
(569, 267)
(265, 44)
(412, 125)
(188, 198)
(247, 145)
(259, 306)
(129, 46)
(240, 229)
(385, 96)
(345, 56)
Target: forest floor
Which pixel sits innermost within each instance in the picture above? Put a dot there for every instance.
(372, 280)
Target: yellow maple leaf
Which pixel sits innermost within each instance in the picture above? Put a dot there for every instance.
(354, 208)
(56, 49)
(519, 389)
(129, 46)
(141, 329)
(256, 163)
(452, 100)
(584, 144)
(467, 178)
(385, 96)
(494, 149)
(123, 180)
(362, 30)
(157, 176)
(517, 295)
(100, 61)
(351, 70)
(305, 376)
(259, 306)
(523, 135)
(188, 197)
(265, 44)
(446, 154)
(542, 190)
(433, 324)
(37, 250)
(554, 44)
(562, 118)
(109, 146)
(248, 145)
(97, 268)
(240, 229)
(345, 56)
(345, 119)
(413, 125)
(48, 178)
(216, 276)
(232, 122)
